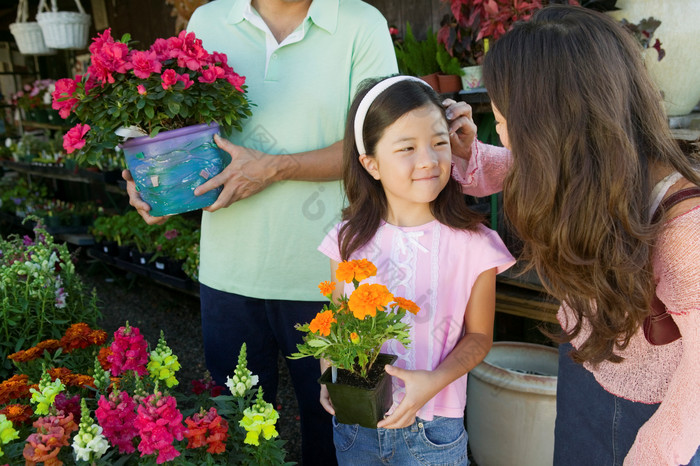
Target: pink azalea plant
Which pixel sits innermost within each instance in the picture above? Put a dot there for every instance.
(175, 83)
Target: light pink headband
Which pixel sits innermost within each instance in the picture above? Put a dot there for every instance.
(367, 100)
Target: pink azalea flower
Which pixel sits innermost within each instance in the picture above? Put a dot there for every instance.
(116, 416)
(185, 78)
(159, 424)
(211, 74)
(129, 352)
(63, 99)
(145, 63)
(236, 80)
(161, 48)
(142, 89)
(74, 139)
(169, 78)
(108, 57)
(189, 51)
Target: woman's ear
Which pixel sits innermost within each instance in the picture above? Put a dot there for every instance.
(370, 164)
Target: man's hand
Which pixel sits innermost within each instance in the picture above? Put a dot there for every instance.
(249, 172)
(461, 126)
(136, 202)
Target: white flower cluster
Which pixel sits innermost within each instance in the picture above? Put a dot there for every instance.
(242, 379)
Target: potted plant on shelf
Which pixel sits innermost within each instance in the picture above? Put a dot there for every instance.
(418, 57)
(466, 32)
(349, 333)
(170, 99)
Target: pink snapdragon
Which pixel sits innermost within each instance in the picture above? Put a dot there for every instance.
(145, 63)
(74, 139)
(116, 416)
(159, 423)
(129, 351)
(64, 99)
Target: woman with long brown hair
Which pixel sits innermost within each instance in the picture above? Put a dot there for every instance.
(590, 160)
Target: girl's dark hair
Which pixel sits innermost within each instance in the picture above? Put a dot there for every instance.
(586, 125)
(367, 204)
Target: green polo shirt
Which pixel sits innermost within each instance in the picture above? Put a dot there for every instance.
(265, 246)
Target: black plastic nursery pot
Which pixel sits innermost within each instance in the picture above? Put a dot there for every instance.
(360, 405)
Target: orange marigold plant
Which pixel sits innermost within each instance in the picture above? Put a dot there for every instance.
(350, 331)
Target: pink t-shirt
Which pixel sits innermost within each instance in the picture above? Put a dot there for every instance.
(435, 266)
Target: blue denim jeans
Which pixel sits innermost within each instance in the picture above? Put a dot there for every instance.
(442, 441)
(267, 327)
(594, 427)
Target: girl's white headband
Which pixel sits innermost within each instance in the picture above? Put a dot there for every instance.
(367, 101)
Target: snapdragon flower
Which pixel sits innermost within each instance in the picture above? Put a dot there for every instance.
(242, 379)
(89, 444)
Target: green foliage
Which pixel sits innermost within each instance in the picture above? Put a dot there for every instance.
(448, 63)
(40, 293)
(417, 58)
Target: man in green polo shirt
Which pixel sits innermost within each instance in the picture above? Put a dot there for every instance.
(259, 270)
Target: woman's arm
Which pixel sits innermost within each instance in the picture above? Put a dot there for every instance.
(484, 172)
(422, 385)
(672, 434)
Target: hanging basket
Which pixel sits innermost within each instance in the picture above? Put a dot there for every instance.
(28, 35)
(64, 29)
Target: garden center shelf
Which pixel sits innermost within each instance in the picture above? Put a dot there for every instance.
(523, 295)
(76, 235)
(181, 284)
(109, 179)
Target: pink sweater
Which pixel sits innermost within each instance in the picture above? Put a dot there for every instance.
(669, 374)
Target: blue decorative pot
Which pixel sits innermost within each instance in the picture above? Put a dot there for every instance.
(167, 168)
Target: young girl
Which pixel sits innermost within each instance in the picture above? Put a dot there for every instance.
(408, 216)
(591, 157)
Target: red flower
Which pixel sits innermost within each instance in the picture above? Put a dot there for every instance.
(208, 430)
(108, 56)
(129, 352)
(74, 139)
(236, 80)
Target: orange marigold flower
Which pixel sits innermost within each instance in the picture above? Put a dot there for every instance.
(326, 287)
(345, 272)
(18, 414)
(49, 345)
(77, 336)
(27, 355)
(354, 337)
(355, 269)
(102, 356)
(14, 388)
(97, 337)
(322, 323)
(366, 299)
(407, 304)
(364, 269)
(62, 373)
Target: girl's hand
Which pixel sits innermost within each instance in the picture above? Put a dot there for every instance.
(461, 127)
(420, 388)
(326, 401)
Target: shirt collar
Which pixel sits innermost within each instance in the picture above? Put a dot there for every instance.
(323, 13)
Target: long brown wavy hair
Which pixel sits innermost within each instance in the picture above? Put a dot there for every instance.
(367, 204)
(586, 125)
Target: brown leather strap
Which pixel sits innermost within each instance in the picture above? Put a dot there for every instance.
(675, 198)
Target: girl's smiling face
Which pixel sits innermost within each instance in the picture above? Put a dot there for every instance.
(412, 160)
